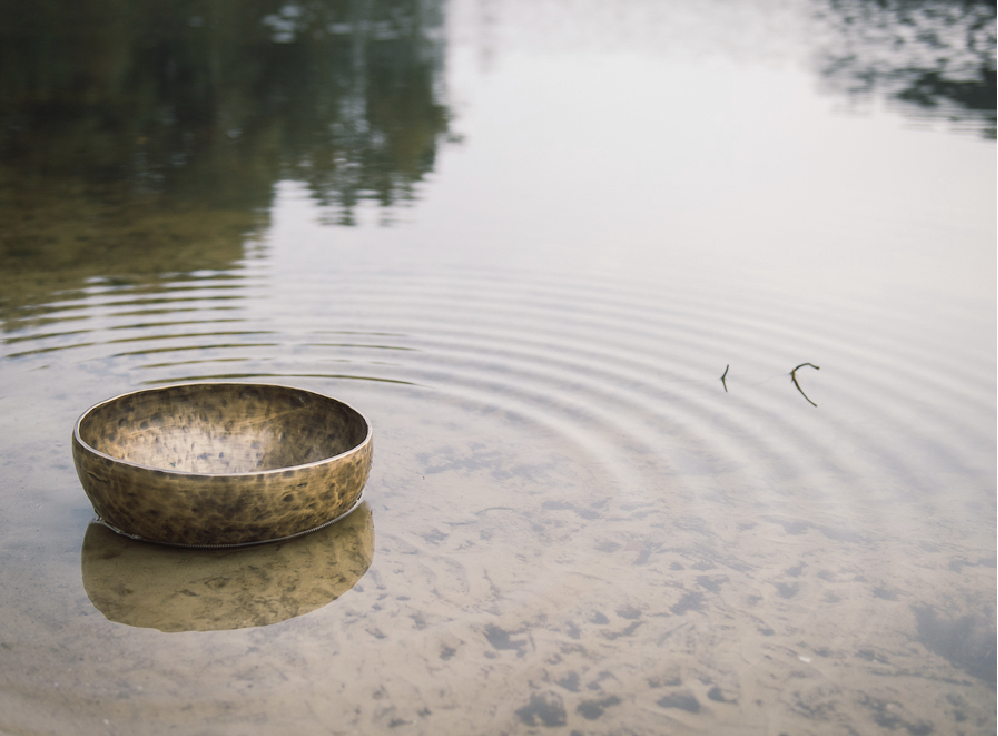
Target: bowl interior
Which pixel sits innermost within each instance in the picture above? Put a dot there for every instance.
(222, 428)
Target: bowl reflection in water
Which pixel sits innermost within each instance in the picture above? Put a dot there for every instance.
(174, 589)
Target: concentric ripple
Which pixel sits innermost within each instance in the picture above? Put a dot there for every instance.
(565, 491)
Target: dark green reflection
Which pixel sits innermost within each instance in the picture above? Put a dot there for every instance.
(177, 589)
(146, 136)
(932, 58)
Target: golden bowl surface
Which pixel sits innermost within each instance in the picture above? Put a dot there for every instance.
(222, 464)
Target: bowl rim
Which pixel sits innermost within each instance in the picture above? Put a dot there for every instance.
(252, 473)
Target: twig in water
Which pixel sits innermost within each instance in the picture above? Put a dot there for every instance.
(793, 377)
(724, 378)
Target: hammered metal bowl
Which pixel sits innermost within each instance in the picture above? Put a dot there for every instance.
(221, 464)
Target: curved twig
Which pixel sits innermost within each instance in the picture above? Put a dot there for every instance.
(793, 377)
(724, 378)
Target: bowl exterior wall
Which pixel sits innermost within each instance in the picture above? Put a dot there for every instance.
(204, 510)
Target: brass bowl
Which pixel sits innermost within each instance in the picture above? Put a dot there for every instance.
(221, 464)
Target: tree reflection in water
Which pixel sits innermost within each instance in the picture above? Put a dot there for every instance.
(141, 137)
(931, 58)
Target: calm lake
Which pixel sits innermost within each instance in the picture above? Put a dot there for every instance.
(527, 239)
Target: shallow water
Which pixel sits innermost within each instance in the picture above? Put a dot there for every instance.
(526, 240)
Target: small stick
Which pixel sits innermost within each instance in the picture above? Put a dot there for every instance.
(793, 377)
(724, 378)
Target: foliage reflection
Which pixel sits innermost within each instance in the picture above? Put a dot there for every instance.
(932, 58)
(165, 125)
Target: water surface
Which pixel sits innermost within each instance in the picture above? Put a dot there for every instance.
(526, 240)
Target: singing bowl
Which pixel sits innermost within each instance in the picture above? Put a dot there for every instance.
(177, 589)
(221, 464)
